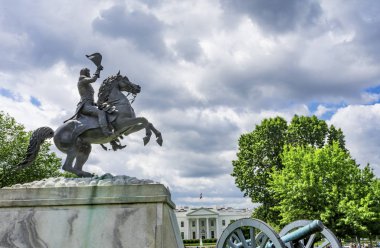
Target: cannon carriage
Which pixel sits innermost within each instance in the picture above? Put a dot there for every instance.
(252, 233)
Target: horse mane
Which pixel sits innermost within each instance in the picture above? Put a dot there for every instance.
(105, 89)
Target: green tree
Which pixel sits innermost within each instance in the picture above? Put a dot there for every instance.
(259, 153)
(305, 130)
(336, 135)
(374, 227)
(326, 184)
(13, 145)
(361, 206)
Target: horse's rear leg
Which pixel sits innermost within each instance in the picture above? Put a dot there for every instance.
(84, 150)
(68, 165)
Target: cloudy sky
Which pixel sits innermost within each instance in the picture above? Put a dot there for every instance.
(209, 71)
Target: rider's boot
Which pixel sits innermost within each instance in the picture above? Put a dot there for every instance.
(106, 131)
(104, 124)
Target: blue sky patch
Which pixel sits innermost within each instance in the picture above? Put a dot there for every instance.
(7, 93)
(16, 97)
(373, 90)
(35, 101)
(331, 108)
(10, 94)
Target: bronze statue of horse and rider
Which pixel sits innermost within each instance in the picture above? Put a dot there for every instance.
(111, 118)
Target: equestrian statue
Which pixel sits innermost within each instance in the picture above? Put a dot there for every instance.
(106, 121)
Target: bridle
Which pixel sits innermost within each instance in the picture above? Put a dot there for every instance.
(132, 99)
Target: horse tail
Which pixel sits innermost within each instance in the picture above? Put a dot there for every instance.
(38, 137)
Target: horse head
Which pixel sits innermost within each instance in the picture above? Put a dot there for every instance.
(121, 82)
(128, 86)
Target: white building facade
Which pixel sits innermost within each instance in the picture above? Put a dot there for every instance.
(207, 223)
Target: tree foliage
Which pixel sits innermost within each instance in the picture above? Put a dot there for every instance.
(260, 152)
(304, 171)
(326, 184)
(361, 205)
(374, 227)
(304, 131)
(14, 141)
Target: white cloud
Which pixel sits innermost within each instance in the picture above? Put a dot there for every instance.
(54, 87)
(361, 126)
(369, 98)
(321, 110)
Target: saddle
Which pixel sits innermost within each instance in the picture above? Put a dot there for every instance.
(80, 122)
(83, 123)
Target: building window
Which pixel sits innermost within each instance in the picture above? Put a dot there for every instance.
(194, 235)
(212, 234)
(182, 235)
(203, 223)
(193, 223)
(223, 222)
(182, 224)
(211, 222)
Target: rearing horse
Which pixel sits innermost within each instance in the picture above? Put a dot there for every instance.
(75, 137)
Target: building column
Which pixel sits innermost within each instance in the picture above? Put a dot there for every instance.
(217, 227)
(198, 232)
(207, 229)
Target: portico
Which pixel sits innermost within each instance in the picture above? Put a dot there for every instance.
(202, 227)
(207, 223)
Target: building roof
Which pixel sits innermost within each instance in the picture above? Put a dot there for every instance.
(216, 211)
(201, 211)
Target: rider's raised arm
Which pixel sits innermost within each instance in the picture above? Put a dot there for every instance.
(89, 80)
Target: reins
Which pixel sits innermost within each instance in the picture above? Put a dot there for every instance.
(133, 97)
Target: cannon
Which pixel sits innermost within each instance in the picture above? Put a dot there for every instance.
(252, 233)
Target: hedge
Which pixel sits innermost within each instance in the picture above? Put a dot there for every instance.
(195, 241)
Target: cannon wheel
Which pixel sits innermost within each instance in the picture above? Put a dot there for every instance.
(328, 237)
(257, 234)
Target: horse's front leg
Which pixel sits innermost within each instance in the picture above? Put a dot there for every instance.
(148, 134)
(158, 134)
(148, 131)
(137, 124)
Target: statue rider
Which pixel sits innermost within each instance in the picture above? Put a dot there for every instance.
(87, 106)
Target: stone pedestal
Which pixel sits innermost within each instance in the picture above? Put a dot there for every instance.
(70, 213)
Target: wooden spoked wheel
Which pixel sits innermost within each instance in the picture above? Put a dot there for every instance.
(249, 233)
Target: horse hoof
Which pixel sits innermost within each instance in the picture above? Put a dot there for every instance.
(159, 141)
(88, 175)
(146, 140)
(84, 174)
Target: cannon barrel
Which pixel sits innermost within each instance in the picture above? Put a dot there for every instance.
(303, 232)
(300, 233)
(297, 233)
